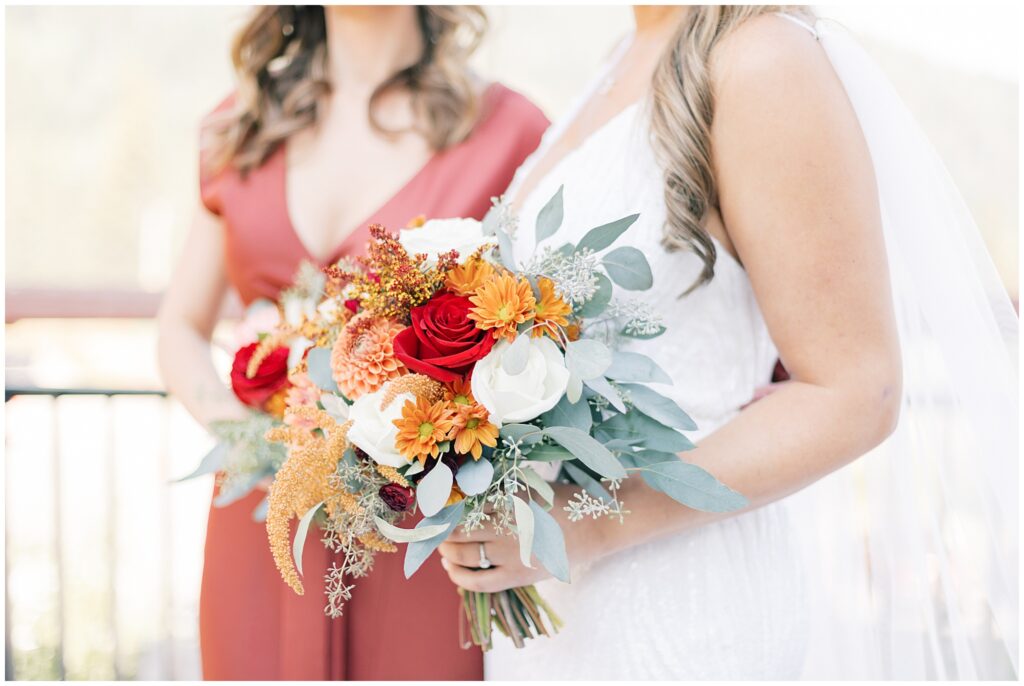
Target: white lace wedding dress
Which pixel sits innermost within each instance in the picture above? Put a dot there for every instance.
(722, 602)
(902, 564)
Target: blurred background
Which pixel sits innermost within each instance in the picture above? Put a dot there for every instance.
(103, 555)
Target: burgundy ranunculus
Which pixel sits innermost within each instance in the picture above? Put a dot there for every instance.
(397, 497)
(442, 341)
(271, 377)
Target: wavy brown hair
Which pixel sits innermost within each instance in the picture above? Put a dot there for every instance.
(280, 60)
(682, 109)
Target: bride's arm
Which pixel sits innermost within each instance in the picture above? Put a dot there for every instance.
(188, 314)
(797, 193)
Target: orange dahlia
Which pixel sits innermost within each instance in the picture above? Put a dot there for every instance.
(363, 358)
(468, 276)
(551, 311)
(502, 304)
(422, 427)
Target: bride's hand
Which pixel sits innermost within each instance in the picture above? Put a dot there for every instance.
(460, 554)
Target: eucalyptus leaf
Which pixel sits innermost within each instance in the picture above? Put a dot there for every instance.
(318, 362)
(400, 535)
(515, 357)
(506, 250)
(549, 453)
(622, 444)
(489, 224)
(599, 238)
(538, 484)
(628, 267)
(238, 488)
(299, 542)
(658, 407)
(574, 388)
(414, 468)
(605, 389)
(527, 433)
(474, 476)
(587, 358)
(212, 462)
(692, 486)
(654, 434)
(335, 406)
(586, 482)
(565, 413)
(259, 514)
(549, 543)
(549, 219)
(587, 450)
(599, 300)
(433, 490)
(645, 458)
(524, 529)
(627, 366)
(417, 552)
(643, 336)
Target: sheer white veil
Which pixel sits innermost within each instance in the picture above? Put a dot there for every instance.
(913, 548)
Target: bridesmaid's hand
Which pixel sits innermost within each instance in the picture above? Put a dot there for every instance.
(460, 554)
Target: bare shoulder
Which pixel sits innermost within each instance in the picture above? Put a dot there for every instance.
(767, 55)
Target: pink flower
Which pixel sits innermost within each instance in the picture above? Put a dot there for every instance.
(303, 393)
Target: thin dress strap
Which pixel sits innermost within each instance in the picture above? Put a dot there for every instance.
(801, 23)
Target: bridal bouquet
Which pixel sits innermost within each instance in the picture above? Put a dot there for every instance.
(446, 374)
(261, 379)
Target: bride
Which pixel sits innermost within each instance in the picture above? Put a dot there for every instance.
(790, 210)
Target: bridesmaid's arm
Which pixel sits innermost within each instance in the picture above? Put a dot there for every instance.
(798, 195)
(188, 314)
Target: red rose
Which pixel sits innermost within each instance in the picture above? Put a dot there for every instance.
(397, 497)
(442, 341)
(271, 377)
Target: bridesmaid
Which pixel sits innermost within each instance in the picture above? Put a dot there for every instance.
(342, 117)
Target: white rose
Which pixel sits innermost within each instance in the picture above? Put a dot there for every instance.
(513, 398)
(442, 235)
(373, 430)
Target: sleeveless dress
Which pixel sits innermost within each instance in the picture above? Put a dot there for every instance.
(252, 626)
(724, 601)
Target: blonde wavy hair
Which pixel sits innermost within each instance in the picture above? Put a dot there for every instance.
(683, 106)
(280, 60)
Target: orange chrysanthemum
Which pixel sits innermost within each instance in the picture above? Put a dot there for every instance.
(551, 311)
(363, 358)
(502, 304)
(468, 276)
(422, 427)
(472, 431)
(459, 393)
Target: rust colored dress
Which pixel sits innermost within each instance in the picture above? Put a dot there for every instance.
(253, 626)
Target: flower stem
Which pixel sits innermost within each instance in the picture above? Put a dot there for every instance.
(518, 613)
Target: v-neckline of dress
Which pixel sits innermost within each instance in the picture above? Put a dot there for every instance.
(486, 97)
(355, 230)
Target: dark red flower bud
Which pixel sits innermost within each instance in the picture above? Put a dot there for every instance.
(398, 498)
